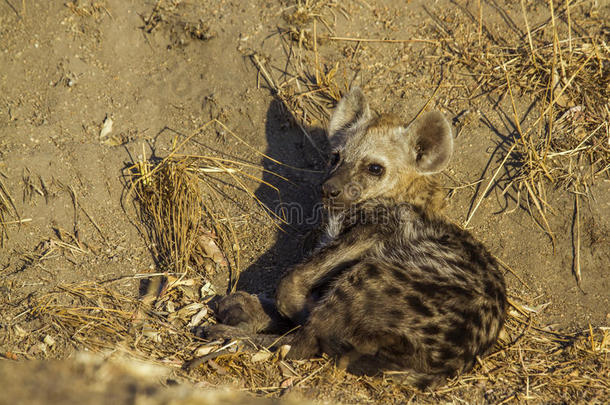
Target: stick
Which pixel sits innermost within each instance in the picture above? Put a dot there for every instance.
(489, 184)
(529, 33)
(14, 9)
(421, 110)
(271, 83)
(480, 21)
(399, 41)
(315, 51)
(577, 253)
(510, 270)
(20, 221)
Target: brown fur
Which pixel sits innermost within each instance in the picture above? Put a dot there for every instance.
(421, 191)
(384, 121)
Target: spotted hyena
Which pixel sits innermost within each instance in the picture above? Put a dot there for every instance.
(391, 285)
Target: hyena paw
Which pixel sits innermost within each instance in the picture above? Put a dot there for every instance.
(240, 309)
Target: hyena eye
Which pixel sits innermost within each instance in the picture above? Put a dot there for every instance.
(335, 159)
(375, 169)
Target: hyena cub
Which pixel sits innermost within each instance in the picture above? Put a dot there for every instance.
(391, 286)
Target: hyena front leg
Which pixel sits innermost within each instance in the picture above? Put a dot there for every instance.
(252, 313)
(294, 298)
(249, 312)
(243, 315)
(222, 332)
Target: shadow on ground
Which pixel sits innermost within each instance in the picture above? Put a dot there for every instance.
(296, 200)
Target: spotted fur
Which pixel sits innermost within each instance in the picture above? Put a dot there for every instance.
(392, 286)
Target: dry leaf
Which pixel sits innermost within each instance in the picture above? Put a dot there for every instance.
(198, 317)
(211, 249)
(283, 351)
(261, 355)
(205, 349)
(106, 128)
(185, 312)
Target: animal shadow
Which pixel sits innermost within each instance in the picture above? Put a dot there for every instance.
(297, 200)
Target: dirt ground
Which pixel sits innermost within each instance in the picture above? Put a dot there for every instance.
(162, 69)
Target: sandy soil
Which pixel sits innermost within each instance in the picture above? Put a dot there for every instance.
(65, 68)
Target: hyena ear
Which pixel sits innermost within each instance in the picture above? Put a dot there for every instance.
(432, 142)
(351, 109)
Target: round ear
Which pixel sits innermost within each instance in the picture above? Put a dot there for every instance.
(351, 109)
(432, 142)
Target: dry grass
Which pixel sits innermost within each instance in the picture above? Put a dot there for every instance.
(530, 363)
(7, 211)
(171, 206)
(307, 88)
(87, 9)
(185, 21)
(550, 84)
(184, 210)
(181, 201)
(562, 67)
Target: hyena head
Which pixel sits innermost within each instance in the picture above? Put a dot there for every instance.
(376, 156)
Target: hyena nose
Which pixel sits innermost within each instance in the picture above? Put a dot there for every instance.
(330, 190)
